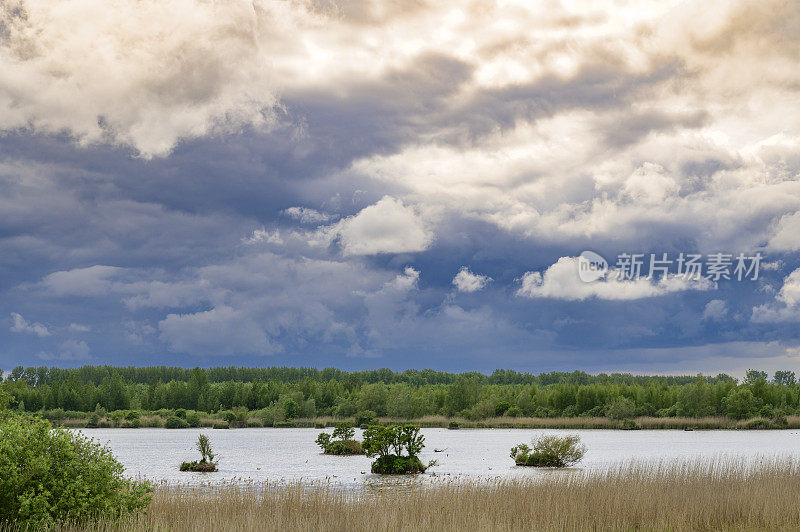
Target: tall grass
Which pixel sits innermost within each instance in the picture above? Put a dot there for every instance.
(728, 495)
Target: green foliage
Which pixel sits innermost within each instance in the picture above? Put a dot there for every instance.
(5, 399)
(397, 465)
(514, 411)
(275, 395)
(206, 464)
(740, 404)
(388, 444)
(620, 408)
(204, 446)
(759, 423)
(193, 419)
(323, 440)
(365, 418)
(342, 442)
(175, 422)
(501, 408)
(629, 424)
(50, 474)
(344, 431)
(550, 451)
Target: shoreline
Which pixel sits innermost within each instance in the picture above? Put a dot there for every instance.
(577, 423)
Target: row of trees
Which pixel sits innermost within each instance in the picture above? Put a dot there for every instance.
(469, 395)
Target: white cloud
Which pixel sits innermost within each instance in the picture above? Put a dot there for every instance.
(787, 233)
(264, 236)
(219, 331)
(77, 327)
(68, 350)
(786, 306)
(20, 325)
(306, 215)
(561, 281)
(466, 281)
(130, 75)
(388, 226)
(74, 350)
(91, 281)
(715, 310)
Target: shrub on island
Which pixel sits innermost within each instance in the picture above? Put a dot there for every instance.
(206, 464)
(342, 442)
(387, 445)
(550, 451)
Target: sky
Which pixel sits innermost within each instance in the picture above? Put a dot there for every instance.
(401, 184)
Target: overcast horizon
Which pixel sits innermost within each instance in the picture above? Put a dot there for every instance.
(400, 184)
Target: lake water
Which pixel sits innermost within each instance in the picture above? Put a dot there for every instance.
(291, 454)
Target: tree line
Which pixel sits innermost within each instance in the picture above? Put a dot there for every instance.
(287, 393)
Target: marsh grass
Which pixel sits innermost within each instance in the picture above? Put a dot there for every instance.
(715, 495)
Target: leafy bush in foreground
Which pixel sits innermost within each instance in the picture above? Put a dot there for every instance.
(550, 451)
(50, 474)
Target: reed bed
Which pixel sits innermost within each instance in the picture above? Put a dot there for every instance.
(714, 495)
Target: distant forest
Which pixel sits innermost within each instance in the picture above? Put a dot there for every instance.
(288, 393)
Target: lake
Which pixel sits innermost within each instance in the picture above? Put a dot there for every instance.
(290, 454)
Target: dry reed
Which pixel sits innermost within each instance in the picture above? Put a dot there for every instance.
(715, 495)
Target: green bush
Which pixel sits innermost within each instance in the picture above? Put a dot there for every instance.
(342, 442)
(501, 408)
(759, 423)
(206, 464)
(779, 419)
(48, 475)
(387, 444)
(629, 424)
(397, 465)
(365, 418)
(550, 451)
(453, 425)
(193, 419)
(220, 426)
(620, 408)
(740, 403)
(514, 411)
(175, 422)
(285, 424)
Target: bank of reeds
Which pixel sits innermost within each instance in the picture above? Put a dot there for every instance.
(647, 423)
(715, 495)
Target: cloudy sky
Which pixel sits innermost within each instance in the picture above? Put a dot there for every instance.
(398, 184)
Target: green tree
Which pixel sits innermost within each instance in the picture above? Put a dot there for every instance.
(620, 408)
(784, 378)
(740, 404)
(344, 431)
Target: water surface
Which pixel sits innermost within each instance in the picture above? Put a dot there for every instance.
(290, 454)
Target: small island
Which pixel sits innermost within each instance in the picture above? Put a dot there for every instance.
(388, 445)
(342, 441)
(550, 451)
(206, 464)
